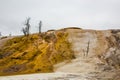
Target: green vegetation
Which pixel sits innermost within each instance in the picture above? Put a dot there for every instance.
(36, 53)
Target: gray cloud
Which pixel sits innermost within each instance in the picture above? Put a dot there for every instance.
(55, 14)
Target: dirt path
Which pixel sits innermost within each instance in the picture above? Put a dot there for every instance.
(47, 76)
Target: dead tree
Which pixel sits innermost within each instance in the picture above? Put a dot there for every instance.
(0, 34)
(40, 25)
(27, 24)
(24, 31)
(88, 46)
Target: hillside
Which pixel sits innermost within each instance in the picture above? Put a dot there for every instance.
(86, 54)
(34, 53)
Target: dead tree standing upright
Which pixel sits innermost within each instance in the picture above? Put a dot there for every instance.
(0, 34)
(27, 24)
(88, 48)
(24, 31)
(40, 25)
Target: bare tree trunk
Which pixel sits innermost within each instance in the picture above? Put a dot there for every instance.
(88, 48)
(24, 31)
(28, 26)
(40, 25)
(0, 35)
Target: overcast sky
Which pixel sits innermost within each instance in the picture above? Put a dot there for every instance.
(56, 14)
